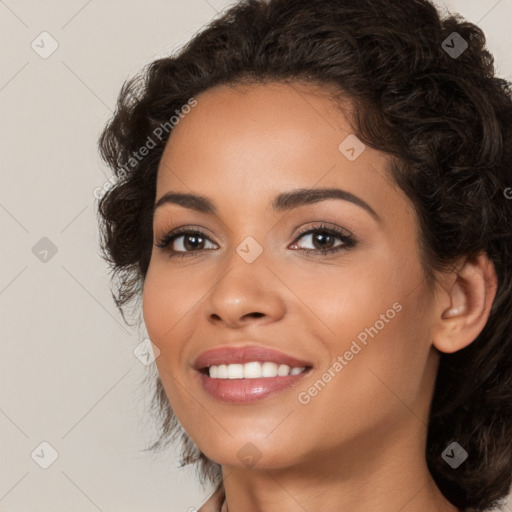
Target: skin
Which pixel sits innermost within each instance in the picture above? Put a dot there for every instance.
(358, 445)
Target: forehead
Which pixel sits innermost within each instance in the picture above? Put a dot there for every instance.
(260, 119)
(260, 139)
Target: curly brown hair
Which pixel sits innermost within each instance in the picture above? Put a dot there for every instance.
(444, 118)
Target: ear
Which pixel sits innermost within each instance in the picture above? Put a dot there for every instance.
(464, 304)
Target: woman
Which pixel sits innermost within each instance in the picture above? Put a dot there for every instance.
(313, 202)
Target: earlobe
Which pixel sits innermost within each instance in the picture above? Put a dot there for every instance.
(469, 299)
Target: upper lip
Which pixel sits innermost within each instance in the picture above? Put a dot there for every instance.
(245, 354)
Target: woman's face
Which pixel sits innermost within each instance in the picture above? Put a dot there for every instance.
(358, 317)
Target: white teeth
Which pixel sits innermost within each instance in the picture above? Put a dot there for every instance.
(269, 369)
(283, 370)
(252, 370)
(222, 371)
(235, 371)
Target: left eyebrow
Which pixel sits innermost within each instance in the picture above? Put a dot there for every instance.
(304, 196)
(282, 202)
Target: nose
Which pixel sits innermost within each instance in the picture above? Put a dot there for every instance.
(246, 293)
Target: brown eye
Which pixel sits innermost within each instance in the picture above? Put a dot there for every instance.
(184, 241)
(323, 240)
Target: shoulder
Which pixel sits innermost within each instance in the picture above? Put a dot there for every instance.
(214, 502)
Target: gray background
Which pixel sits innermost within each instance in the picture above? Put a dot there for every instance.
(68, 375)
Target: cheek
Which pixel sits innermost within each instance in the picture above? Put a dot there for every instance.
(154, 304)
(164, 303)
(377, 313)
(385, 345)
(352, 297)
(167, 299)
(383, 373)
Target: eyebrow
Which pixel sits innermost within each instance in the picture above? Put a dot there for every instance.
(282, 202)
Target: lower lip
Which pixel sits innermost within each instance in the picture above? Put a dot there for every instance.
(244, 391)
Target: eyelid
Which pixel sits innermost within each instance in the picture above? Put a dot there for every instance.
(319, 225)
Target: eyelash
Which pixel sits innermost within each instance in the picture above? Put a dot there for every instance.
(348, 241)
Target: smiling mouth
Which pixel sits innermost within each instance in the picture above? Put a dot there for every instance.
(232, 386)
(250, 373)
(252, 370)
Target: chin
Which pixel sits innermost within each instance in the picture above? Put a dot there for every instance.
(252, 451)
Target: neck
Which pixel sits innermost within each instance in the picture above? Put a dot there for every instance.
(392, 476)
